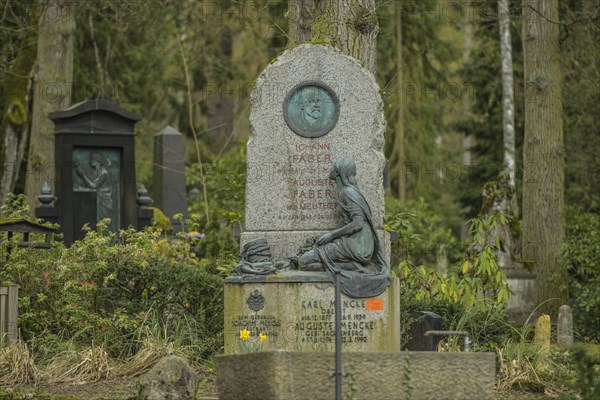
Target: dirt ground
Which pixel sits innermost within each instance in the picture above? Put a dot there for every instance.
(114, 389)
(126, 389)
(123, 388)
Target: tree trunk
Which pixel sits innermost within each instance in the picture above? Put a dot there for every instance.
(349, 25)
(543, 153)
(14, 145)
(300, 21)
(508, 100)
(14, 130)
(467, 139)
(52, 88)
(397, 177)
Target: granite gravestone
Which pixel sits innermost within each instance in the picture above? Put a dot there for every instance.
(310, 108)
(170, 194)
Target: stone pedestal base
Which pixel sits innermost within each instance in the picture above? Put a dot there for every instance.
(521, 302)
(295, 311)
(284, 375)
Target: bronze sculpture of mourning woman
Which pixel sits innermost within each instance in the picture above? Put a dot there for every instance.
(353, 250)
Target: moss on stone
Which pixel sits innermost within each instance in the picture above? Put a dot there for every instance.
(34, 223)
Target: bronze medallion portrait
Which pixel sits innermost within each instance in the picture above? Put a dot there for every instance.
(311, 109)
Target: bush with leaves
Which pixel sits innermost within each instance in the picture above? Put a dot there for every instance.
(588, 379)
(475, 278)
(581, 256)
(422, 236)
(15, 207)
(472, 295)
(224, 182)
(103, 287)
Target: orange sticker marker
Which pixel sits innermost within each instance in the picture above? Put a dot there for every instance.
(374, 304)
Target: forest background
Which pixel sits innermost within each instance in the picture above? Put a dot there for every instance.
(192, 64)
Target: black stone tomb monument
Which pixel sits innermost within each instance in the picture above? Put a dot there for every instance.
(95, 162)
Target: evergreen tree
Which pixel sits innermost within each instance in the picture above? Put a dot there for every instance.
(484, 123)
(418, 52)
(580, 50)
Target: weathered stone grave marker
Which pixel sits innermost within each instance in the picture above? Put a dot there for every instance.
(311, 107)
(542, 333)
(289, 196)
(170, 194)
(424, 321)
(314, 210)
(565, 327)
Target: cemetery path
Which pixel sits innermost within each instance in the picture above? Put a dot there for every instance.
(121, 388)
(126, 389)
(113, 389)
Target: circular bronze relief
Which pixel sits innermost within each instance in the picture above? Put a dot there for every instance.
(311, 109)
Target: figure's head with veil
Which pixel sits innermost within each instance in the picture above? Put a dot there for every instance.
(343, 172)
(97, 160)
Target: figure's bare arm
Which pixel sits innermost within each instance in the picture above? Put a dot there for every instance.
(89, 182)
(349, 229)
(94, 184)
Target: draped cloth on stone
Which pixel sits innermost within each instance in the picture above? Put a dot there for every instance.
(358, 257)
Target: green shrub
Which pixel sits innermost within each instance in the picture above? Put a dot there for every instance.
(588, 379)
(470, 281)
(409, 303)
(486, 320)
(422, 237)
(15, 206)
(581, 255)
(471, 295)
(103, 288)
(225, 180)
